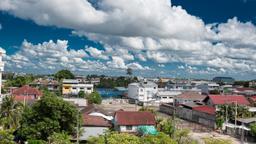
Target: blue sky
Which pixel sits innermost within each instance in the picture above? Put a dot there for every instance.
(181, 38)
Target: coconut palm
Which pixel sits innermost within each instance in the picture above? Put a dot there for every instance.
(11, 112)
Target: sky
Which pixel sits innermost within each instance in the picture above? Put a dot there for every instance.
(156, 38)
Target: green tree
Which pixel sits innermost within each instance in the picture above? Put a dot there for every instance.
(19, 81)
(81, 94)
(48, 115)
(59, 138)
(166, 126)
(36, 142)
(219, 122)
(253, 129)
(115, 138)
(6, 137)
(181, 136)
(161, 138)
(11, 112)
(64, 74)
(94, 98)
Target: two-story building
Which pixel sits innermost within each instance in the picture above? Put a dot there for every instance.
(73, 87)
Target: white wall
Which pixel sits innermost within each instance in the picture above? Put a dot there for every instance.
(143, 94)
(92, 131)
(124, 129)
(87, 88)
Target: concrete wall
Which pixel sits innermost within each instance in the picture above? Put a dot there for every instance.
(124, 129)
(190, 115)
(92, 131)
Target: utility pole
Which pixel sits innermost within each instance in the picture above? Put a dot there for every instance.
(242, 135)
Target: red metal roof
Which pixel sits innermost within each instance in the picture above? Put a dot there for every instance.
(245, 89)
(26, 90)
(89, 120)
(253, 98)
(21, 98)
(190, 95)
(228, 99)
(205, 109)
(134, 118)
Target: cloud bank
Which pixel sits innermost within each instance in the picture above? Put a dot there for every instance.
(132, 32)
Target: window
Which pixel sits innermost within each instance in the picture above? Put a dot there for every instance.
(66, 87)
(128, 127)
(73, 88)
(81, 88)
(141, 90)
(89, 88)
(154, 87)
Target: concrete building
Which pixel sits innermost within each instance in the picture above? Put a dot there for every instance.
(96, 121)
(73, 87)
(183, 85)
(206, 88)
(50, 84)
(189, 97)
(166, 96)
(144, 91)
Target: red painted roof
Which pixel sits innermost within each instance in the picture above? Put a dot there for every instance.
(190, 95)
(253, 98)
(134, 118)
(245, 89)
(227, 99)
(26, 90)
(89, 120)
(21, 98)
(205, 109)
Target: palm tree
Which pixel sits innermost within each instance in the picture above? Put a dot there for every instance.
(11, 112)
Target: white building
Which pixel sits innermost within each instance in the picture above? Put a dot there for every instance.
(73, 87)
(167, 96)
(207, 87)
(2, 52)
(144, 91)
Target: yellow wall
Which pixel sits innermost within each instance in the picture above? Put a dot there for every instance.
(66, 88)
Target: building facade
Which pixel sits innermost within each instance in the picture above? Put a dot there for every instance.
(144, 91)
(73, 87)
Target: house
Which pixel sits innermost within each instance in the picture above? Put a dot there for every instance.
(144, 92)
(94, 126)
(26, 93)
(166, 96)
(216, 100)
(188, 97)
(50, 84)
(73, 87)
(245, 91)
(182, 86)
(130, 121)
(208, 87)
(95, 121)
(241, 128)
(95, 111)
